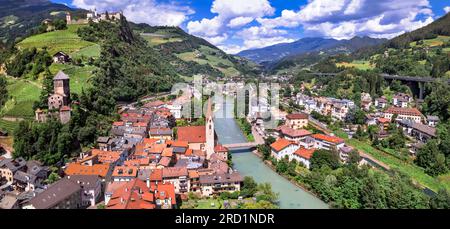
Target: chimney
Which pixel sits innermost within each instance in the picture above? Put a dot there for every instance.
(148, 182)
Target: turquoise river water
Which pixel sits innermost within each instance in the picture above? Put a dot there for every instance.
(248, 164)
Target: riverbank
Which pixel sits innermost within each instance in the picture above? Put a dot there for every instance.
(290, 179)
(249, 164)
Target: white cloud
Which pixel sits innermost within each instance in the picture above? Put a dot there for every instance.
(447, 9)
(235, 8)
(149, 11)
(344, 19)
(230, 14)
(239, 22)
(216, 40)
(206, 27)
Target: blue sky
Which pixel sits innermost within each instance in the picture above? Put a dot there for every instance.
(236, 25)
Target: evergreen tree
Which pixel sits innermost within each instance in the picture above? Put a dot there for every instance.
(3, 91)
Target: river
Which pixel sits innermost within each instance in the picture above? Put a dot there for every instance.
(248, 164)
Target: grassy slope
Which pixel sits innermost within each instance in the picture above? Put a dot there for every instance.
(24, 92)
(64, 40)
(359, 64)
(223, 65)
(432, 43)
(440, 40)
(415, 172)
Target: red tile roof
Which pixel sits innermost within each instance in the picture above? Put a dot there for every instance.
(328, 138)
(189, 152)
(404, 111)
(166, 191)
(305, 153)
(220, 149)
(132, 195)
(297, 116)
(192, 134)
(156, 175)
(174, 172)
(286, 130)
(77, 169)
(65, 108)
(156, 103)
(125, 171)
(179, 143)
(106, 156)
(167, 152)
(280, 144)
(165, 161)
(383, 120)
(140, 124)
(118, 123)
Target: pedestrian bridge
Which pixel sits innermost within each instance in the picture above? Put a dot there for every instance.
(238, 146)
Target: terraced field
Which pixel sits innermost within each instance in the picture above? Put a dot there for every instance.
(64, 40)
(440, 40)
(79, 76)
(23, 93)
(8, 126)
(155, 39)
(207, 55)
(359, 64)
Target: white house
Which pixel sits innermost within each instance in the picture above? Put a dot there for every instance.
(175, 109)
(303, 156)
(282, 148)
(328, 142)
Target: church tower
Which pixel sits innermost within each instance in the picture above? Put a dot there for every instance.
(210, 134)
(68, 18)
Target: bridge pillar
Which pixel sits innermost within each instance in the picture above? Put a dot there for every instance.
(421, 90)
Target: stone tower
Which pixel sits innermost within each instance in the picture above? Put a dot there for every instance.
(61, 93)
(210, 134)
(68, 18)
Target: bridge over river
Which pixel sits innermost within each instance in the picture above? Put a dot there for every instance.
(416, 83)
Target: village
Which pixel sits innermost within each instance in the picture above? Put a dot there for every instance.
(321, 123)
(149, 162)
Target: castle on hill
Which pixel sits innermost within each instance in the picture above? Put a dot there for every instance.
(59, 102)
(93, 16)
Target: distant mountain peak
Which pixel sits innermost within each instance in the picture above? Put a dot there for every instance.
(306, 45)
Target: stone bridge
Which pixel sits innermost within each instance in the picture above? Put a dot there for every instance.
(417, 84)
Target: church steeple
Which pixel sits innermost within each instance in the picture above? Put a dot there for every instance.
(210, 133)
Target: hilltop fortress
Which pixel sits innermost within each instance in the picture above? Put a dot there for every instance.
(93, 16)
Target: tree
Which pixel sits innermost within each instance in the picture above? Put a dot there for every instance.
(60, 24)
(3, 91)
(438, 101)
(265, 193)
(360, 134)
(282, 166)
(359, 117)
(354, 158)
(249, 187)
(47, 90)
(441, 200)
(430, 158)
(265, 151)
(322, 158)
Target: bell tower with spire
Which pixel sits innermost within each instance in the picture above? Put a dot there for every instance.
(210, 134)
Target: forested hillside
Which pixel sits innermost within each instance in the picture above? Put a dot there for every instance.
(423, 52)
(20, 18)
(191, 55)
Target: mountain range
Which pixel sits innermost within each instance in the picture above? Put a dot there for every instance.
(277, 52)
